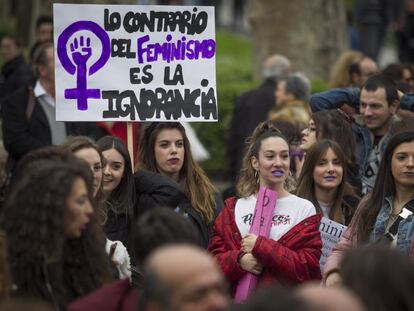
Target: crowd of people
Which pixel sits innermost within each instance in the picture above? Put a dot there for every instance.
(84, 226)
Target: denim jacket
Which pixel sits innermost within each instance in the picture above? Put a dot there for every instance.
(335, 98)
(405, 228)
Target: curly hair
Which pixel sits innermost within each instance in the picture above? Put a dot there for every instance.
(197, 187)
(340, 75)
(247, 183)
(33, 158)
(43, 262)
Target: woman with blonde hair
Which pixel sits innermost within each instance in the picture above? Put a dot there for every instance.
(340, 75)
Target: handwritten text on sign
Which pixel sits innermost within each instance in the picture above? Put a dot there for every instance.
(151, 63)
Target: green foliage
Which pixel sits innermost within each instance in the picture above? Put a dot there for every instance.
(234, 76)
(349, 5)
(319, 85)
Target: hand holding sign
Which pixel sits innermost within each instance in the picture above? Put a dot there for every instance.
(248, 242)
(262, 223)
(249, 263)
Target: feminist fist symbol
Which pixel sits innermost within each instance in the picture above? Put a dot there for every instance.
(78, 57)
(81, 52)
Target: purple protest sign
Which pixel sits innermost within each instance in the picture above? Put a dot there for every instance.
(135, 63)
(81, 52)
(265, 205)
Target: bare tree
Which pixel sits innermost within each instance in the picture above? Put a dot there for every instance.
(312, 33)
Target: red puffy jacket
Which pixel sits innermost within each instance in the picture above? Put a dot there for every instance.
(292, 259)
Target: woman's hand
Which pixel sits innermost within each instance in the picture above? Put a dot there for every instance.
(333, 279)
(249, 263)
(247, 243)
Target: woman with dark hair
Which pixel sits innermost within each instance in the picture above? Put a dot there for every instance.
(385, 214)
(54, 243)
(118, 189)
(165, 149)
(337, 126)
(323, 182)
(285, 256)
(86, 149)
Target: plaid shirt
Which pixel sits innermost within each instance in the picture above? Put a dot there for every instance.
(292, 259)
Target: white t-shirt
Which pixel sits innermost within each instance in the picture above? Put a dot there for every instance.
(326, 208)
(289, 211)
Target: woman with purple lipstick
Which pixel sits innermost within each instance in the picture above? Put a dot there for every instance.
(337, 126)
(323, 182)
(290, 254)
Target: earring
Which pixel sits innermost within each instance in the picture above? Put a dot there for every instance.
(256, 176)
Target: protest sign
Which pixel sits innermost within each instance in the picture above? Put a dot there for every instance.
(261, 226)
(134, 63)
(331, 232)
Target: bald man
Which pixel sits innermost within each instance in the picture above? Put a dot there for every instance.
(183, 277)
(362, 70)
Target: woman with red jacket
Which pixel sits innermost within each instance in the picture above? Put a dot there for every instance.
(290, 254)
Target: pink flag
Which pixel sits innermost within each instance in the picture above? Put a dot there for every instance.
(262, 223)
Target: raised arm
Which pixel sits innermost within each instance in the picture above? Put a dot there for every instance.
(334, 99)
(407, 101)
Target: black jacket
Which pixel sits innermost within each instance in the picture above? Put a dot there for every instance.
(17, 74)
(21, 135)
(155, 190)
(250, 109)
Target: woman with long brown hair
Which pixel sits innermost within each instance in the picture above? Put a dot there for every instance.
(118, 189)
(86, 149)
(323, 182)
(164, 148)
(385, 214)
